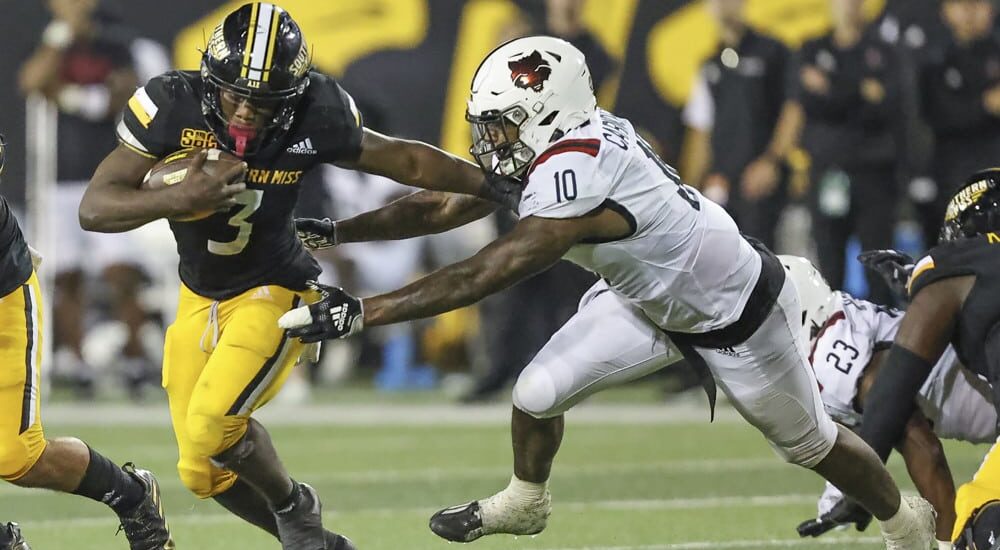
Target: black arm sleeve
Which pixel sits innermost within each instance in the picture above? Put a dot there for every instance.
(890, 402)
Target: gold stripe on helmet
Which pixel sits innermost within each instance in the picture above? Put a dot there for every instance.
(251, 33)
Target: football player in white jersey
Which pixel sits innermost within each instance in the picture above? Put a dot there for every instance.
(849, 339)
(678, 278)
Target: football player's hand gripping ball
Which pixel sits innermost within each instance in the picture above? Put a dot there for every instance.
(336, 315)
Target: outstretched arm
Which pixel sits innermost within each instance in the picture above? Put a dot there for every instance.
(422, 213)
(417, 164)
(533, 245)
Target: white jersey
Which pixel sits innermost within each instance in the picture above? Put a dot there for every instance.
(685, 264)
(954, 400)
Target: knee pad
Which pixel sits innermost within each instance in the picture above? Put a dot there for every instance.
(15, 460)
(808, 451)
(206, 433)
(982, 530)
(535, 394)
(204, 481)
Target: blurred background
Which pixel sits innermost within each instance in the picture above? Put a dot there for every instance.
(824, 126)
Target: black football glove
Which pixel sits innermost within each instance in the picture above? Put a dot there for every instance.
(503, 190)
(894, 267)
(844, 512)
(316, 234)
(336, 315)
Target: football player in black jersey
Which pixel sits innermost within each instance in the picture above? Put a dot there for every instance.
(257, 97)
(64, 464)
(954, 298)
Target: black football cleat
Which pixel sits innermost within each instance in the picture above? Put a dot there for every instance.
(462, 523)
(498, 514)
(337, 542)
(145, 526)
(11, 539)
(301, 526)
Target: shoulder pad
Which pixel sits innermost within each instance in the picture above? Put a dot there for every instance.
(564, 181)
(954, 259)
(146, 119)
(334, 114)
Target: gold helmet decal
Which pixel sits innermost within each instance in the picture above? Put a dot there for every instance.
(965, 198)
(217, 47)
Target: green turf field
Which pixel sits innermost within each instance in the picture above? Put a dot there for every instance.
(673, 485)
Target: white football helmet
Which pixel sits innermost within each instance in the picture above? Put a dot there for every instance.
(818, 301)
(539, 85)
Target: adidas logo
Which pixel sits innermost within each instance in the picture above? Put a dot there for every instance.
(304, 147)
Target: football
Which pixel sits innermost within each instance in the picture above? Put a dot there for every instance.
(173, 168)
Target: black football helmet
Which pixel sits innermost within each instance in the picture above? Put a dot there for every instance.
(975, 208)
(256, 54)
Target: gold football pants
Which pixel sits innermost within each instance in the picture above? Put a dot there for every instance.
(21, 438)
(222, 361)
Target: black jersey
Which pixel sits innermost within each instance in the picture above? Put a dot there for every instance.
(979, 256)
(254, 243)
(15, 261)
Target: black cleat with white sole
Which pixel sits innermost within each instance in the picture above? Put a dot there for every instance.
(462, 523)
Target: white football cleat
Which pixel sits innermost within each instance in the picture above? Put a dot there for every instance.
(499, 513)
(921, 533)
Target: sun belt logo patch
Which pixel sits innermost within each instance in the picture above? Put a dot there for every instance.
(530, 71)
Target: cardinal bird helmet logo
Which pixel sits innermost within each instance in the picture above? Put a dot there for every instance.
(530, 71)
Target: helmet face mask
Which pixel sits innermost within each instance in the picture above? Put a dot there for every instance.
(3, 152)
(257, 55)
(496, 143)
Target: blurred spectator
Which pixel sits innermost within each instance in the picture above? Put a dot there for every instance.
(960, 100)
(88, 64)
(848, 86)
(732, 152)
(518, 321)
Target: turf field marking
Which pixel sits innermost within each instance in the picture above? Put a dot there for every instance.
(191, 516)
(684, 466)
(699, 545)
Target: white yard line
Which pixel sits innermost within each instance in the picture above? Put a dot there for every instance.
(368, 414)
(699, 545)
(168, 480)
(191, 516)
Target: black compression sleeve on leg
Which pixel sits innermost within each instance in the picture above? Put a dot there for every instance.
(105, 482)
(890, 402)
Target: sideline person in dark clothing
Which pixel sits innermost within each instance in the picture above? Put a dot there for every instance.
(736, 102)
(848, 86)
(960, 101)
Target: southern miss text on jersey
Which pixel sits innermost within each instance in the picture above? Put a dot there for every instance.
(254, 243)
(15, 261)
